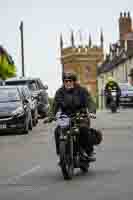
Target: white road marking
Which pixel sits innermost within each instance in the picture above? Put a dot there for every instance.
(13, 180)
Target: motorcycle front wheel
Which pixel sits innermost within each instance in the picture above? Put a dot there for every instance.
(66, 161)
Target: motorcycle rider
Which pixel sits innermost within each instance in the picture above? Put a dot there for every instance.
(69, 99)
(111, 85)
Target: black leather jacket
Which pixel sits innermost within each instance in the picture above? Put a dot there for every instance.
(73, 101)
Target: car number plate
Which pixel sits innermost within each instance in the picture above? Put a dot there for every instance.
(2, 126)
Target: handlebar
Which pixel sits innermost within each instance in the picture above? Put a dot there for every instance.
(73, 116)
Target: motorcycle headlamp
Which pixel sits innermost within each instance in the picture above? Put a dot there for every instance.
(76, 130)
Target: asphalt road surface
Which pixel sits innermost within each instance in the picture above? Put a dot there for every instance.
(28, 164)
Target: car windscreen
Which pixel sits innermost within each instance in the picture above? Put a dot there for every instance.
(9, 95)
(126, 87)
(123, 86)
(16, 82)
(31, 84)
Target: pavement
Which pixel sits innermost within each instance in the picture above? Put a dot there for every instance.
(28, 164)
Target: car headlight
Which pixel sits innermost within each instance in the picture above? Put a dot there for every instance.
(18, 111)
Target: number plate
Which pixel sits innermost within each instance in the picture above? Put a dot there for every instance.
(2, 126)
(114, 94)
(63, 122)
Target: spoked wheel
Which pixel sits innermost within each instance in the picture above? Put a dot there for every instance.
(66, 162)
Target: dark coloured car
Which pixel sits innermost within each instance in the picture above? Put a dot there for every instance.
(126, 99)
(32, 101)
(37, 89)
(2, 82)
(15, 112)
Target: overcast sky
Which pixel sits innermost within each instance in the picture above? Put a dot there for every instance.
(43, 23)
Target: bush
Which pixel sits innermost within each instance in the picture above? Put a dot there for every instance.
(7, 67)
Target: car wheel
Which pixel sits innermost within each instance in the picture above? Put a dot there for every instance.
(30, 124)
(35, 120)
(26, 128)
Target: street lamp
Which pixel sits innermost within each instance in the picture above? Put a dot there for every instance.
(22, 48)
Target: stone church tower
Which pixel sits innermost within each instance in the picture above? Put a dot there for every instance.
(126, 31)
(83, 60)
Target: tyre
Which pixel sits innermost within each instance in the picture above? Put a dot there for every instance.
(30, 124)
(66, 163)
(35, 119)
(26, 128)
(34, 122)
(114, 110)
(42, 115)
(113, 107)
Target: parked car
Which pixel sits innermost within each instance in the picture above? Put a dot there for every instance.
(126, 99)
(32, 101)
(2, 82)
(15, 111)
(37, 89)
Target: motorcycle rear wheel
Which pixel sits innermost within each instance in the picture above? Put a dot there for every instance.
(113, 107)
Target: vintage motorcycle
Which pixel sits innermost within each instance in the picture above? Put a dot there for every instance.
(70, 152)
(113, 101)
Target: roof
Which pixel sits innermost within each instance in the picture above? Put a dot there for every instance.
(109, 65)
(22, 79)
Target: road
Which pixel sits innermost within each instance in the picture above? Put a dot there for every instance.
(28, 164)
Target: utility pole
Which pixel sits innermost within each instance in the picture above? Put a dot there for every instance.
(22, 47)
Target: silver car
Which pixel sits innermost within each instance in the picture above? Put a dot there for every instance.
(126, 99)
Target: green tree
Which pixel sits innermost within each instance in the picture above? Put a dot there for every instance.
(7, 66)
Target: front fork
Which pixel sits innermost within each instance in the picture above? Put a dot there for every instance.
(69, 143)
